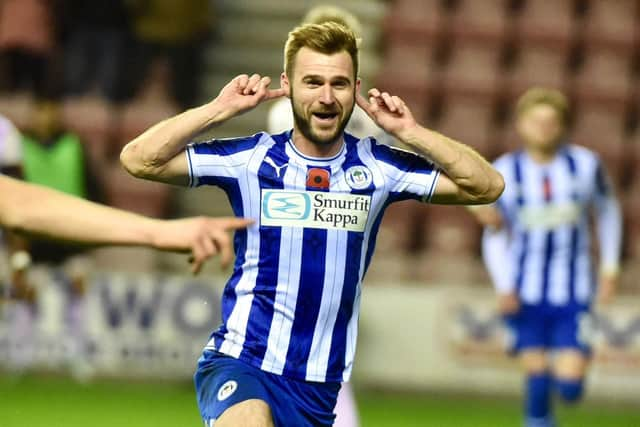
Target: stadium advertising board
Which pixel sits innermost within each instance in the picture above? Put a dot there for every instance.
(448, 337)
(139, 325)
(438, 337)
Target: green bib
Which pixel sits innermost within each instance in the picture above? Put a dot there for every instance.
(59, 166)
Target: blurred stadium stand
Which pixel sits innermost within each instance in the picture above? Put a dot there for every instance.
(470, 60)
(459, 64)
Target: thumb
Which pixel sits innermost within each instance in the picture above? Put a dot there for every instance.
(364, 104)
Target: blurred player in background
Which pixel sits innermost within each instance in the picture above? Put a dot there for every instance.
(290, 309)
(536, 246)
(280, 119)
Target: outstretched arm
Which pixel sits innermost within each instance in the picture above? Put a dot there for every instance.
(41, 211)
(468, 177)
(157, 153)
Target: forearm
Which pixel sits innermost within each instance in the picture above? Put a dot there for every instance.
(495, 248)
(609, 226)
(158, 145)
(39, 211)
(474, 176)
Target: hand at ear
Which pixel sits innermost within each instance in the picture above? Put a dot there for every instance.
(285, 85)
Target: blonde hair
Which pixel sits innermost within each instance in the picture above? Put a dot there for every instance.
(544, 96)
(328, 13)
(327, 38)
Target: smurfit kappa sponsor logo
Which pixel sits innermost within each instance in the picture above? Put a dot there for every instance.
(315, 209)
(285, 205)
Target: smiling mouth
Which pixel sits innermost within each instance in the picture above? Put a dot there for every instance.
(326, 116)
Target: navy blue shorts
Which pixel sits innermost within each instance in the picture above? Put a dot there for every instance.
(550, 328)
(222, 381)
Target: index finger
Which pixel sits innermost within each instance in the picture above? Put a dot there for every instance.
(232, 223)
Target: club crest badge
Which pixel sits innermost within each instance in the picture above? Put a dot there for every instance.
(358, 177)
(227, 390)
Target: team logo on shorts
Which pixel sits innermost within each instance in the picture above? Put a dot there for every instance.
(227, 390)
(358, 177)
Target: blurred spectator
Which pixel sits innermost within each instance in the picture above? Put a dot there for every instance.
(27, 43)
(176, 32)
(55, 158)
(96, 35)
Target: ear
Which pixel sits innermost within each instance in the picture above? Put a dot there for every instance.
(284, 84)
(358, 84)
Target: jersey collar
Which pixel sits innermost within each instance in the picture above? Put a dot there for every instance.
(307, 159)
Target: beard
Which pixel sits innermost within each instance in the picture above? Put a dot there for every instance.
(303, 123)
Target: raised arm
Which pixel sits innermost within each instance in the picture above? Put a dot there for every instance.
(48, 213)
(467, 177)
(157, 154)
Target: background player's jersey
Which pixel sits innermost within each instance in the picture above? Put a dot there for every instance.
(547, 208)
(291, 306)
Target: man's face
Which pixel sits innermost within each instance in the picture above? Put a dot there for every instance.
(46, 119)
(322, 90)
(541, 127)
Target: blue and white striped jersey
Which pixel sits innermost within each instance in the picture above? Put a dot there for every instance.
(291, 306)
(546, 208)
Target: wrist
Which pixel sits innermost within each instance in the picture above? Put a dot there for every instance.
(217, 112)
(206, 116)
(609, 271)
(503, 293)
(153, 234)
(408, 134)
